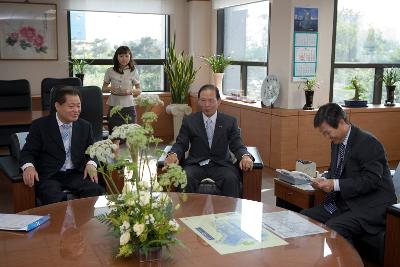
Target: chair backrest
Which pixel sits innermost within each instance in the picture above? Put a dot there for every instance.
(396, 182)
(15, 94)
(49, 83)
(91, 108)
(17, 143)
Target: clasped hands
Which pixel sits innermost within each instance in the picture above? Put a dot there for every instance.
(246, 164)
(325, 185)
(117, 90)
(30, 174)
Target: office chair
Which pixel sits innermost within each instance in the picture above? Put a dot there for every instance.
(49, 83)
(91, 108)
(251, 180)
(14, 95)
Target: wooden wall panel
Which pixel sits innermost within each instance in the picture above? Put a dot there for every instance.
(231, 110)
(284, 131)
(311, 144)
(256, 131)
(385, 125)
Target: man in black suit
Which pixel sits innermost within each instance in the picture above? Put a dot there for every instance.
(211, 135)
(53, 156)
(359, 186)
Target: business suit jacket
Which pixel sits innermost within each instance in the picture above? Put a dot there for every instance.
(193, 133)
(365, 183)
(44, 147)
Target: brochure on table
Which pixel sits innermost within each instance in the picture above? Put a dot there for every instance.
(18, 222)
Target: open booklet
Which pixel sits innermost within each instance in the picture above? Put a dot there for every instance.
(19, 222)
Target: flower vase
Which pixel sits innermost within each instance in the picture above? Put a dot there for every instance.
(178, 111)
(80, 76)
(153, 254)
(390, 95)
(218, 77)
(309, 99)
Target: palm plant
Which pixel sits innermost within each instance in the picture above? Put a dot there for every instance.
(391, 77)
(181, 74)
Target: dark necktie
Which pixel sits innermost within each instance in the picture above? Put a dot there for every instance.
(330, 200)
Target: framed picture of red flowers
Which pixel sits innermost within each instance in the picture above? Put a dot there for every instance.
(28, 31)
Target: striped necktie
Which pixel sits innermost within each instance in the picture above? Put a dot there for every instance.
(66, 131)
(330, 200)
(210, 131)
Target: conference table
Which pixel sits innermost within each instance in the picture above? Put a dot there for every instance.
(74, 237)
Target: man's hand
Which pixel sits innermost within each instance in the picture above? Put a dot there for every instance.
(30, 175)
(246, 164)
(171, 158)
(92, 171)
(325, 185)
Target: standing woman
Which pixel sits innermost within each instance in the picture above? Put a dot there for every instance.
(122, 81)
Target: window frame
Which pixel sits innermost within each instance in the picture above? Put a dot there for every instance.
(143, 62)
(242, 64)
(378, 67)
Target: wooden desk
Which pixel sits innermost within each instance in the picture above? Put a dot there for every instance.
(20, 117)
(291, 197)
(92, 244)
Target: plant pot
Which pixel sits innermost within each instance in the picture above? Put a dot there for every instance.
(390, 95)
(218, 77)
(178, 111)
(356, 103)
(80, 76)
(153, 254)
(309, 100)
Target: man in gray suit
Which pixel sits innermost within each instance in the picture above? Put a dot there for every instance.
(359, 186)
(211, 134)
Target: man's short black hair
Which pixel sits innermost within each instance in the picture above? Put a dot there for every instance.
(209, 87)
(66, 90)
(330, 113)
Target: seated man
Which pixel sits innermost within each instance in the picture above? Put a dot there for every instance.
(359, 184)
(210, 135)
(53, 156)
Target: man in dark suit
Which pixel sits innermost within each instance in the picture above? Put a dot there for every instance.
(53, 156)
(359, 186)
(211, 135)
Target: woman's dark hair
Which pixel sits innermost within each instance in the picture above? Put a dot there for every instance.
(59, 95)
(209, 87)
(123, 50)
(330, 113)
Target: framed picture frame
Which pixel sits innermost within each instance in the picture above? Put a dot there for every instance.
(28, 31)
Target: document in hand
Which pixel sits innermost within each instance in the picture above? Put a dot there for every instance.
(19, 222)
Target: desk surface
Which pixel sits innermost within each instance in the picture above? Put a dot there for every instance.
(20, 117)
(89, 244)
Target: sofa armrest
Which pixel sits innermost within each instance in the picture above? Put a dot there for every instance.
(10, 167)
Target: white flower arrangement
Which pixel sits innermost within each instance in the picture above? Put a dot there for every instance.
(141, 216)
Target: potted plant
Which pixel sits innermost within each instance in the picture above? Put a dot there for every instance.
(141, 215)
(181, 74)
(79, 66)
(309, 85)
(218, 63)
(359, 90)
(390, 77)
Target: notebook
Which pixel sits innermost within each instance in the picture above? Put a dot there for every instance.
(19, 222)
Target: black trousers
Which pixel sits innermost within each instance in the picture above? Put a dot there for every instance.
(117, 120)
(227, 178)
(50, 190)
(342, 220)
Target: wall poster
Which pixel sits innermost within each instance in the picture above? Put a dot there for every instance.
(28, 31)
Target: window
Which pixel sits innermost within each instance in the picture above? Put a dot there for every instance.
(366, 42)
(96, 35)
(243, 33)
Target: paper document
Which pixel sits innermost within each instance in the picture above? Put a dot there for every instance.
(18, 222)
(289, 224)
(226, 233)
